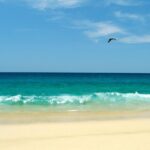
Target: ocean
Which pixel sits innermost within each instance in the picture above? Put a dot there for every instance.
(74, 92)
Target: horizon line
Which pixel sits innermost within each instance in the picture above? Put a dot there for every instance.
(78, 72)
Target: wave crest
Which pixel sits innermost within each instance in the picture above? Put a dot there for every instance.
(101, 98)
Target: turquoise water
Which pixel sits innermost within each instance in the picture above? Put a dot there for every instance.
(75, 92)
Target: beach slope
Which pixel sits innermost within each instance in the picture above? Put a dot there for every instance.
(131, 134)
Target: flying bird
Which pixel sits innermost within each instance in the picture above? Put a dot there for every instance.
(111, 39)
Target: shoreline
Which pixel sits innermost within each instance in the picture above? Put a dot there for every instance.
(60, 117)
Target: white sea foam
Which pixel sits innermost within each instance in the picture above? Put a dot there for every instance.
(112, 97)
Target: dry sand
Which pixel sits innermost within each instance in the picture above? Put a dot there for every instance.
(133, 134)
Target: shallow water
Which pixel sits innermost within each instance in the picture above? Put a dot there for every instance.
(61, 92)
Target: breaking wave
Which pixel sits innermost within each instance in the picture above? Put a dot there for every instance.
(95, 98)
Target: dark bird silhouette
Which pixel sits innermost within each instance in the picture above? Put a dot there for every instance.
(111, 39)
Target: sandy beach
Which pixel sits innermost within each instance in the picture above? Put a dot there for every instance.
(133, 134)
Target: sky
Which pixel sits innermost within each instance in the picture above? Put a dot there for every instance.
(71, 36)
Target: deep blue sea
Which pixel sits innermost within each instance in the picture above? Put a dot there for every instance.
(75, 91)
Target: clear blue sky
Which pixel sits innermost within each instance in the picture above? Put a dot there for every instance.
(71, 35)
